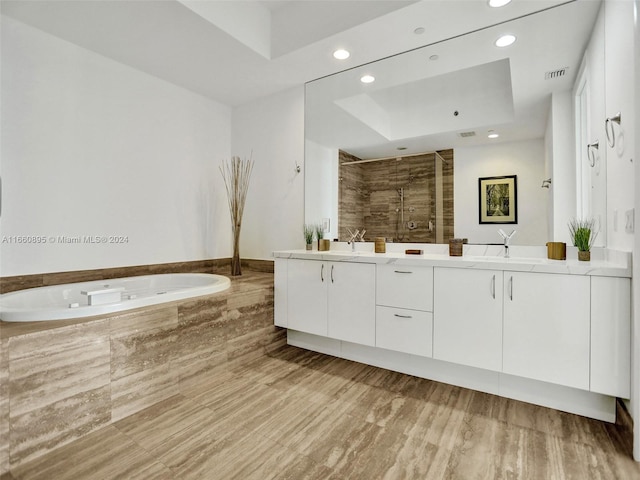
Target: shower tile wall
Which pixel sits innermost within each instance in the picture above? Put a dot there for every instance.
(352, 195)
(447, 194)
(370, 198)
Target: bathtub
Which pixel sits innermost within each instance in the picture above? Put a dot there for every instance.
(85, 299)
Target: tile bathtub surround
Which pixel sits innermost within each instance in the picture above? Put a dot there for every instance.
(20, 282)
(58, 387)
(4, 406)
(221, 266)
(296, 414)
(64, 380)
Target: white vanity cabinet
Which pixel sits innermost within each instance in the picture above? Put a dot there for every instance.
(404, 318)
(334, 299)
(546, 330)
(468, 317)
(553, 333)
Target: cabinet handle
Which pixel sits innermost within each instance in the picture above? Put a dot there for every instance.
(493, 287)
(401, 271)
(322, 273)
(402, 316)
(332, 273)
(510, 288)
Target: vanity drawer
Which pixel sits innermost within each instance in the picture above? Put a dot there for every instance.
(408, 331)
(405, 287)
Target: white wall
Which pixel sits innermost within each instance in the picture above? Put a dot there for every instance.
(563, 172)
(548, 172)
(273, 128)
(596, 177)
(524, 159)
(92, 147)
(635, 329)
(319, 174)
(620, 86)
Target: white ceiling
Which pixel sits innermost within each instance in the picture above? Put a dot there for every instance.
(423, 100)
(238, 51)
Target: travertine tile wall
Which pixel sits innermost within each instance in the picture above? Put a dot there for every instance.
(58, 387)
(447, 193)
(60, 383)
(221, 265)
(352, 195)
(369, 197)
(4, 405)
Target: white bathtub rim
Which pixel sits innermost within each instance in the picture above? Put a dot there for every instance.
(11, 314)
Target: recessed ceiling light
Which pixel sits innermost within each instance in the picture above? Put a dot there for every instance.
(434, 57)
(498, 3)
(401, 148)
(367, 79)
(341, 54)
(505, 40)
(419, 31)
(492, 134)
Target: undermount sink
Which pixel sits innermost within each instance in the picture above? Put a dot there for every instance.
(480, 258)
(347, 253)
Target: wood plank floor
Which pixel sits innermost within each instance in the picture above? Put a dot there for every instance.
(298, 415)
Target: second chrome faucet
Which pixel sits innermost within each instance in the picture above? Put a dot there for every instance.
(506, 239)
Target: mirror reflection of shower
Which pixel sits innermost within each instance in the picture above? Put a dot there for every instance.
(404, 199)
(401, 225)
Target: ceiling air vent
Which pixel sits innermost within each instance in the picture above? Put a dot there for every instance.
(556, 73)
(467, 134)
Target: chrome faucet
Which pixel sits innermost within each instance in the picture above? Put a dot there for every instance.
(506, 239)
(356, 236)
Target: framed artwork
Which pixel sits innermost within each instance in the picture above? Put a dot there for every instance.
(498, 199)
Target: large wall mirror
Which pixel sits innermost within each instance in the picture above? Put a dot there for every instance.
(402, 156)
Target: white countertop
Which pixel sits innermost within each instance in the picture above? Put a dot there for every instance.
(609, 263)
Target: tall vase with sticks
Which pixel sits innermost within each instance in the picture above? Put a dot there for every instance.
(236, 174)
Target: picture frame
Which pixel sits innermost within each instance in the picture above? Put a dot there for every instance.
(498, 199)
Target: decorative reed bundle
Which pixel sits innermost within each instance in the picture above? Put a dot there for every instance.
(236, 174)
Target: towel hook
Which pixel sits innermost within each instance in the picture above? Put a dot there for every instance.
(611, 139)
(591, 148)
(546, 183)
(297, 167)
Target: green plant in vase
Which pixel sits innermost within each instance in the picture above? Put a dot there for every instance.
(583, 235)
(308, 235)
(319, 232)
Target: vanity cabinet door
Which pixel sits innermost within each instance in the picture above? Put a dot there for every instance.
(546, 327)
(611, 336)
(467, 317)
(351, 306)
(307, 283)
